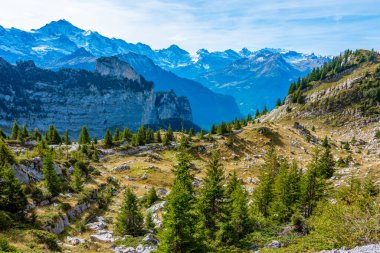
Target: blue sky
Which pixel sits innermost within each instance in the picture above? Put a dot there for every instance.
(324, 26)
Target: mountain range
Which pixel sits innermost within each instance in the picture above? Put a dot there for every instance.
(253, 78)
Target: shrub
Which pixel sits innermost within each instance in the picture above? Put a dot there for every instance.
(5, 247)
(5, 220)
(44, 237)
(377, 134)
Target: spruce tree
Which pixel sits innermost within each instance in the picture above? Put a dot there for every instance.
(127, 134)
(249, 118)
(117, 135)
(66, 138)
(77, 183)
(6, 155)
(52, 137)
(36, 135)
(213, 129)
(108, 139)
(326, 163)
(265, 110)
(211, 197)
(52, 180)
(151, 197)
(170, 133)
(278, 103)
(130, 220)
(178, 228)
(84, 136)
(15, 131)
(2, 134)
(149, 223)
(257, 114)
(165, 140)
(222, 128)
(141, 136)
(24, 132)
(201, 134)
(191, 132)
(264, 192)
(157, 136)
(237, 125)
(12, 196)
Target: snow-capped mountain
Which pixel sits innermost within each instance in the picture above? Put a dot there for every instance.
(61, 44)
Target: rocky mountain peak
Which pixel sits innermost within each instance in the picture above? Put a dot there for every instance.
(114, 67)
(61, 26)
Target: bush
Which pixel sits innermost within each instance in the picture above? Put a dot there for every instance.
(5, 247)
(377, 134)
(5, 220)
(64, 206)
(44, 237)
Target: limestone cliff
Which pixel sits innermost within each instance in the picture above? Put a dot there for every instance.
(114, 96)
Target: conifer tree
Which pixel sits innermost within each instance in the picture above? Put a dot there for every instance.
(178, 228)
(24, 132)
(140, 136)
(264, 192)
(257, 114)
(6, 155)
(211, 197)
(52, 137)
(213, 129)
(201, 134)
(36, 135)
(191, 132)
(170, 134)
(84, 136)
(222, 128)
(149, 223)
(278, 103)
(149, 135)
(151, 197)
(265, 110)
(237, 125)
(127, 134)
(130, 220)
(286, 192)
(66, 138)
(52, 181)
(12, 196)
(2, 134)
(117, 135)
(77, 178)
(249, 118)
(157, 136)
(165, 140)
(326, 163)
(108, 139)
(15, 131)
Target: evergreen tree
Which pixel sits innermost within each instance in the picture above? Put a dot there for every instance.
(12, 196)
(237, 125)
(151, 197)
(52, 181)
(127, 134)
(24, 132)
(149, 135)
(15, 131)
(264, 192)
(211, 197)
(178, 228)
(170, 133)
(278, 103)
(249, 118)
(117, 135)
(265, 110)
(312, 187)
(325, 142)
(36, 135)
(157, 136)
(230, 140)
(201, 134)
(6, 155)
(130, 220)
(326, 163)
(84, 136)
(77, 183)
(52, 137)
(222, 128)
(213, 129)
(2, 134)
(183, 130)
(66, 138)
(165, 140)
(191, 132)
(108, 139)
(140, 136)
(257, 114)
(149, 223)
(286, 192)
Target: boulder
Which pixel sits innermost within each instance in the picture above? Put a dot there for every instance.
(157, 207)
(98, 225)
(121, 167)
(75, 240)
(149, 238)
(102, 236)
(274, 244)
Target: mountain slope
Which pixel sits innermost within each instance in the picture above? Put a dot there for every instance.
(113, 96)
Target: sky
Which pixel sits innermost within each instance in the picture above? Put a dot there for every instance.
(325, 27)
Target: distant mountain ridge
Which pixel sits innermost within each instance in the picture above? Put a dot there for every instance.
(61, 44)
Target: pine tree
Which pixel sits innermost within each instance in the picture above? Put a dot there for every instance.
(6, 155)
(211, 197)
(127, 134)
(52, 137)
(77, 183)
(201, 134)
(108, 139)
(325, 142)
(222, 128)
(2, 134)
(12, 196)
(264, 192)
(170, 134)
(165, 140)
(66, 138)
(15, 131)
(312, 187)
(130, 220)
(24, 132)
(151, 197)
(149, 223)
(157, 136)
(278, 103)
(257, 114)
(140, 136)
(213, 129)
(265, 110)
(326, 163)
(178, 228)
(117, 135)
(52, 181)
(36, 135)
(286, 192)
(191, 132)
(249, 118)
(84, 136)
(237, 125)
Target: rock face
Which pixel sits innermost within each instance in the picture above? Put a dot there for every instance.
(113, 96)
